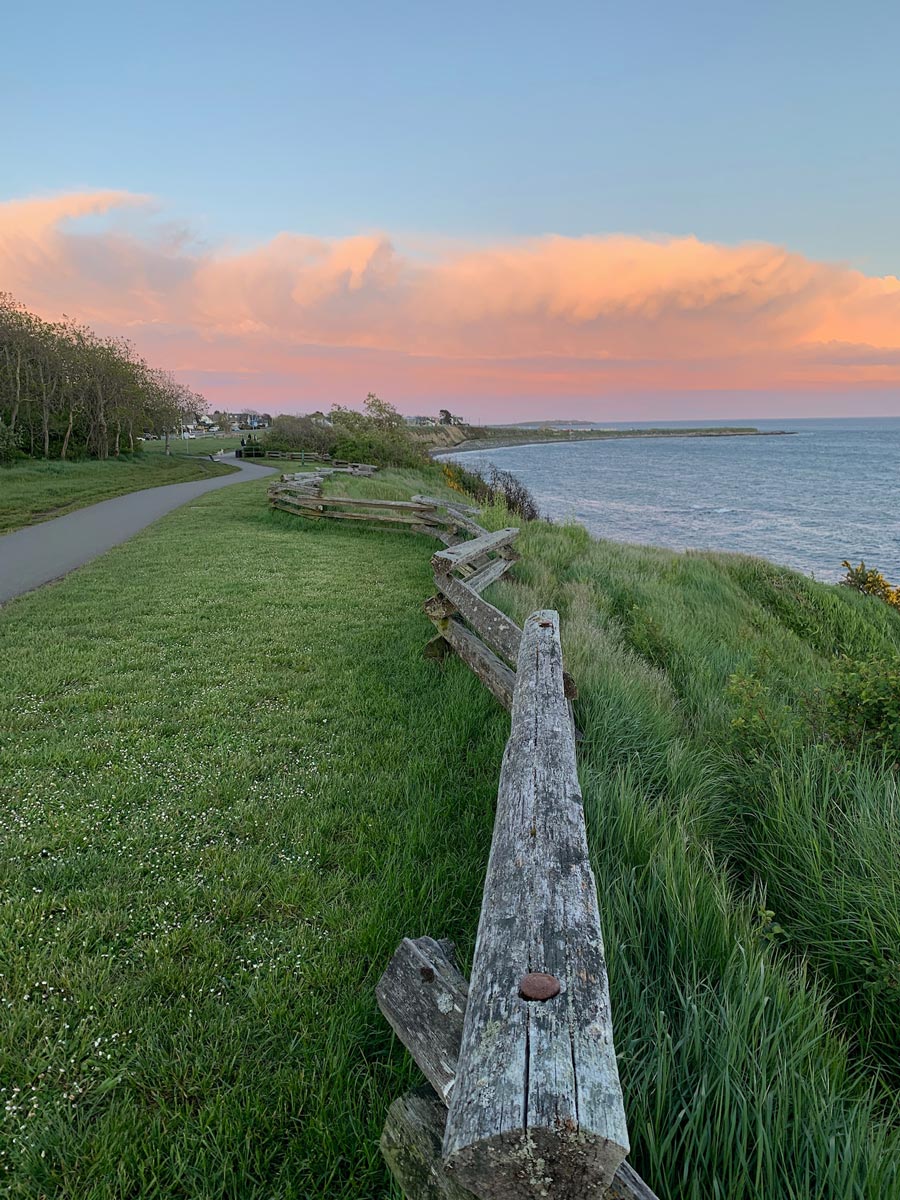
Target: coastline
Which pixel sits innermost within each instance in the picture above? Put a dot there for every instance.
(503, 443)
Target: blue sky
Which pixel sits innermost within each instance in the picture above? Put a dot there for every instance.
(778, 122)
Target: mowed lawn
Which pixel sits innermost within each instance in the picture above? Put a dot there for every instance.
(230, 785)
(34, 491)
(203, 444)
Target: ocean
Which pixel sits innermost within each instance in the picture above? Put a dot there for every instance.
(828, 492)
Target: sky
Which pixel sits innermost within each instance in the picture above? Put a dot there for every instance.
(602, 210)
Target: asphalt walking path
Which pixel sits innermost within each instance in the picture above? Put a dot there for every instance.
(37, 554)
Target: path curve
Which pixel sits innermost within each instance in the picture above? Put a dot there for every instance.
(38, 554)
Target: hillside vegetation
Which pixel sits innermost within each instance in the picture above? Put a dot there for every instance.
(240, 813)
(747, 849)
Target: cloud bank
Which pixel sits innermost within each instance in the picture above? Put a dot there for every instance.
(592, 321)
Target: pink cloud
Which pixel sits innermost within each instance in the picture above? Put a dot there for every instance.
(303, 321)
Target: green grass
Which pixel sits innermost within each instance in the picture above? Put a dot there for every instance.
(239, 785)
(223, 806)
(209, 444)
(34, 491)
(752, 862)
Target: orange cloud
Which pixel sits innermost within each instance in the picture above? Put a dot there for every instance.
(577, 317)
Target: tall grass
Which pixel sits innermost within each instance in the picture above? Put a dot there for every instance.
(748, 872)
(748, 864)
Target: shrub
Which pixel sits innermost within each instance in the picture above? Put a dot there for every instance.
(300, 433)
(864, 703)
(871, 583)
(377, 435)
(9, 445)
(495, 487)
(384, 449)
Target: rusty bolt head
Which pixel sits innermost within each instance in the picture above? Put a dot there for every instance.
(427, 974)
(538, 986)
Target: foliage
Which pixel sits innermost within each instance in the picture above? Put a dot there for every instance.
(68, 393)
(864, 703)
(377, 435)
(495, 487)
(300, 433)
(10, 448)
(871, 583)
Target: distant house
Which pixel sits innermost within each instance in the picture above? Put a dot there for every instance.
(420, 420)
(252, 420)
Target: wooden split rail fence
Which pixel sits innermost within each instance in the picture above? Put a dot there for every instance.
(306, 456)
(302, 495)
(526, 1099)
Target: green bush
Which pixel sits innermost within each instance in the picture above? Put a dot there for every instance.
(377, 435)
(300, 433)
(374, 446)
(864, 703)
(871, 583)
(9, 445)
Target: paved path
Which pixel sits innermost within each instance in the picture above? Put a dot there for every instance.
(39, 553)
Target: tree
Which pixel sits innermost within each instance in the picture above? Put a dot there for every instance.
(65, 390)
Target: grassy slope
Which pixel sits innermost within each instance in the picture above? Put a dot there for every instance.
(207, 866)
(203, 444)
(31, 492)
(750, 868)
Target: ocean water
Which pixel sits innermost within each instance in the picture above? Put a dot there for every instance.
(829, 491)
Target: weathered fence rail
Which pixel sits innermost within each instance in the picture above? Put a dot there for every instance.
(304, 456)
(301, 493)
(522, 1056)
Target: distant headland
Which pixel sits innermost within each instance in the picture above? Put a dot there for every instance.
(444, 438)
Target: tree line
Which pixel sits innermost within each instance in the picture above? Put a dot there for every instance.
(67, 392)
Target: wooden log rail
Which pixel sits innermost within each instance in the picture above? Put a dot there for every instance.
(522, 1055)
(461, 573)
(305, 456)
(301, 493)
(304, 498)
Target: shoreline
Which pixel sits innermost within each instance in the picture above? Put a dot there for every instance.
(500, 443)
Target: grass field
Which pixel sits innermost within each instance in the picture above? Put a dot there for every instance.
(209, 444)
(238, 785)
(34, 491)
